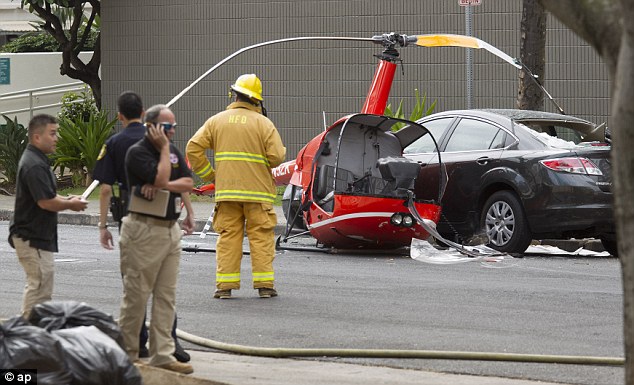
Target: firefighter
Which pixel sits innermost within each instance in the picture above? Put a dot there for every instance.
(246, 147)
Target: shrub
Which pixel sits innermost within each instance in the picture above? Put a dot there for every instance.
(32, 42)
(78, 106)
(418, 112)
(42, 41)
(79, 144)
(13, 142)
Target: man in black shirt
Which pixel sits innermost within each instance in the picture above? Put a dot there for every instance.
(33, 228)
(150, 242)
(110, 169)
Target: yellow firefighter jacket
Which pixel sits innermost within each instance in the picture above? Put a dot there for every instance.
(246, 147)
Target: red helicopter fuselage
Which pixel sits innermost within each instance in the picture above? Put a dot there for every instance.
(350, 184)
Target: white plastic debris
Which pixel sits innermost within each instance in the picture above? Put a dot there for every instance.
(424, 251)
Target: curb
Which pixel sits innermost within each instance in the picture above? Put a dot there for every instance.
(79, 219)
(571, 245)
(157, 376)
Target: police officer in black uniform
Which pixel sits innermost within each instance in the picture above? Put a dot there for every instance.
(110, 170)
(150, 241)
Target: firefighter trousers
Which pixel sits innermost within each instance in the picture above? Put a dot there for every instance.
(230, 221)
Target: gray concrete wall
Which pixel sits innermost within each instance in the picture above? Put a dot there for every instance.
(158, 47)
(32, 70)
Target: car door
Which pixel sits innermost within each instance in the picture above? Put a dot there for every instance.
(473, 148)
(423, 150)
(470, 147)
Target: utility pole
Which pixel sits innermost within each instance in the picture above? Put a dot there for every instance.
(468, 12)
(469, 32)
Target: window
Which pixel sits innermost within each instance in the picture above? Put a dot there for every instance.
(437, 128)
(472, 135)
(562, 132)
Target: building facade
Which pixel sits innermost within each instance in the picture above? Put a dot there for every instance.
(159, 47)
(15, 20)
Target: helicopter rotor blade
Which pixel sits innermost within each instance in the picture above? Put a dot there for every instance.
(271, 42)
(450, 40)
(431, 40)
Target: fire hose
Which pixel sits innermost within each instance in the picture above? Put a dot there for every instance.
(397, 353)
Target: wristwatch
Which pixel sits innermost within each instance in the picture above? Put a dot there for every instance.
(102, 225)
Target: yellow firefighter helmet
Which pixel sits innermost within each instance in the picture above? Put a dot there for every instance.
(249, 85)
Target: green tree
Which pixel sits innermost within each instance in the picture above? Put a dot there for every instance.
(66, 21)
(608, 26)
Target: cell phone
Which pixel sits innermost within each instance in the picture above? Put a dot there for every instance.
(165, 129)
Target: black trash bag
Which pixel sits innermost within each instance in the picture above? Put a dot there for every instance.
(55, 315)
(94, 358)
(23, 346)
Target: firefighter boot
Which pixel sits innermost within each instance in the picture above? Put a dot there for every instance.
(223, 294)
(266, 292)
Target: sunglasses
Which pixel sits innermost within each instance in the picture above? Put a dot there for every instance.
(168, 126)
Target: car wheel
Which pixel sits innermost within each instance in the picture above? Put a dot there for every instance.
(610, 246)
(505, 224)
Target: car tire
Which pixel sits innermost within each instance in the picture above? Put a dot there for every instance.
(610, 246)
(505, 223)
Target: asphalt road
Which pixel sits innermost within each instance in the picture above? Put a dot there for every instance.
(534, 305)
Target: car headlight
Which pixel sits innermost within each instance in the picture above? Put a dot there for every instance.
(408, 221)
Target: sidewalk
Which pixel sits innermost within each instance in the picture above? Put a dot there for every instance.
(214, 368)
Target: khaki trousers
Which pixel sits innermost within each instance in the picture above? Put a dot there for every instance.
(230, 220)
(40, 271)
(150, 255)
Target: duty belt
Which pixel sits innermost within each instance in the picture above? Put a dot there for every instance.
(152, 221)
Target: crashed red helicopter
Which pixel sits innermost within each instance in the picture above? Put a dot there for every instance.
(350, 186)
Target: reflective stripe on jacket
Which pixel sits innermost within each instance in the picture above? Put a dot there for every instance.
(246, 146)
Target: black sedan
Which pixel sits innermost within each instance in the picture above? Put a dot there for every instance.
(515, 175)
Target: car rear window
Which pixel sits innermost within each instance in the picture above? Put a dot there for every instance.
(559, 131)
(549, 135)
